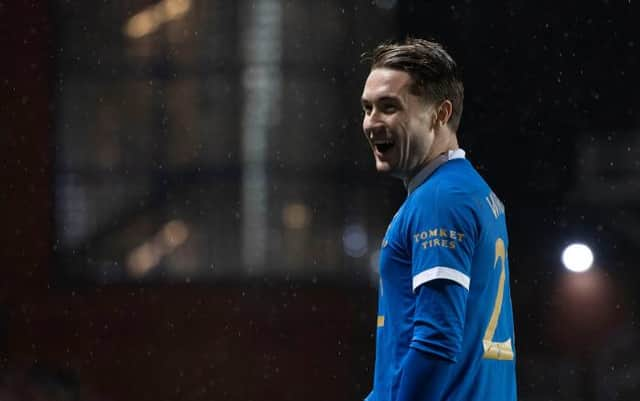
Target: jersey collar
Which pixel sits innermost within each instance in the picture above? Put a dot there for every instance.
(432, 166)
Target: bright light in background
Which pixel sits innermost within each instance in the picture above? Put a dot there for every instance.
(148, 255)
(296, 216)
(261, 54)
(354, 240)
(577, 258)
(152, 17)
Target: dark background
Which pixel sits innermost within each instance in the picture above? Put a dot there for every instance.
(551, 120)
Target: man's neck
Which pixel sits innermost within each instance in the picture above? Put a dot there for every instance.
(438, 148)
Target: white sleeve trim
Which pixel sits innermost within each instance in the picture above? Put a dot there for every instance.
(441, 272)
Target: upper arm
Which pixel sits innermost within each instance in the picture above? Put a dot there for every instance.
(443, 232)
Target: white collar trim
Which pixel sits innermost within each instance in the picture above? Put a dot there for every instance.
(456, 154)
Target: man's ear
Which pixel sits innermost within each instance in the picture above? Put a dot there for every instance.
(443, 113)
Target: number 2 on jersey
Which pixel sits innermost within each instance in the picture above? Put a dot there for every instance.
(502, 351)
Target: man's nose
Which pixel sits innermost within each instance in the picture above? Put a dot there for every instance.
(372, 122)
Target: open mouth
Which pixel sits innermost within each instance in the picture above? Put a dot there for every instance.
(383, 146)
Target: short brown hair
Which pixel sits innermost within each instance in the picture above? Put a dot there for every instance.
(436, 76)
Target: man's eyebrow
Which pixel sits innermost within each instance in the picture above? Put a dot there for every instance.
(388, 98)
(380, 99)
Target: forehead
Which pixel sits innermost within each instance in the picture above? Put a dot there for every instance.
(385, 82)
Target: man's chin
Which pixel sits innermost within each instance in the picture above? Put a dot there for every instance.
(383, 167)
(389, 169)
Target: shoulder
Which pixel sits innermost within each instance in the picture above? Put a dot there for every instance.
(452, 198)
(454, 183)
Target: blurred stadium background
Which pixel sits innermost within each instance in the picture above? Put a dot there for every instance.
(190, 211)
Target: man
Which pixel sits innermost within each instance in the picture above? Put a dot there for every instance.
(445, 323)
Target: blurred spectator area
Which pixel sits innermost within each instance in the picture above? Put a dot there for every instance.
(199, 141)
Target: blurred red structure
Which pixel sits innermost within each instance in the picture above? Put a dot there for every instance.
(125, 343)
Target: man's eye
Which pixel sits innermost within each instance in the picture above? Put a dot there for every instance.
(389, 109)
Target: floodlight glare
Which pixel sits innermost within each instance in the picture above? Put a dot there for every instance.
(577, 258)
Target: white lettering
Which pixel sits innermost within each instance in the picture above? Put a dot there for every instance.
(497, 208)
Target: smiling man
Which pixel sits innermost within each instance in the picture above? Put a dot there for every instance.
(445, 322)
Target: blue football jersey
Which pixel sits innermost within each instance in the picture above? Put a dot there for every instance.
(451, 227)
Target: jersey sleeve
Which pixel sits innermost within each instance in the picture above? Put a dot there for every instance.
(443, 230)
